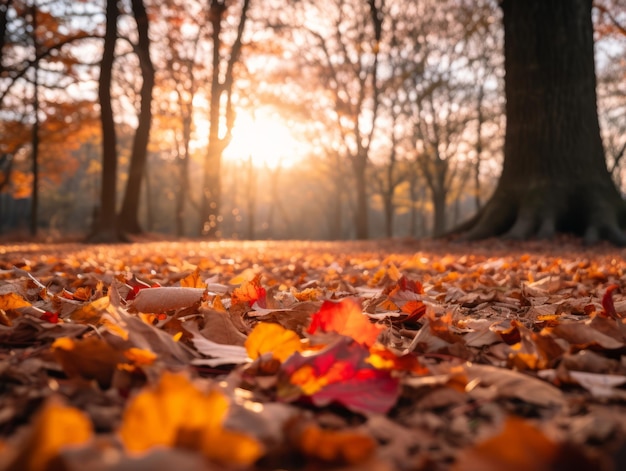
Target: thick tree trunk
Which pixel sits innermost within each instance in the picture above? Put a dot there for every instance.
(554, 177)
(129, 215)
(105, 229)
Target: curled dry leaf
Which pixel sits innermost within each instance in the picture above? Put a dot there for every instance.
(165, 299)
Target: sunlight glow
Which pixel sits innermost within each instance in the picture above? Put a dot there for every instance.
(266, 139)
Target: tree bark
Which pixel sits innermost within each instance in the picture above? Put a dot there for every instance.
(129, 215)
(554, 177)
(105, 229)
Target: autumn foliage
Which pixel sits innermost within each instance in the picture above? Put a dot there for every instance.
(399, 357)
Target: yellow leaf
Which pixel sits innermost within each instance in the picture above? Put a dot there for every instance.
(267, 337)
(176, 413)
(55, 427)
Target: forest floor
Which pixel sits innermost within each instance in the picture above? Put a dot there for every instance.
(382, 355)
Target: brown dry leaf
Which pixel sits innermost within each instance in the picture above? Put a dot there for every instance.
(89, 358)
(148, 337)
(219, 328)
(582, 336)
(490, 381)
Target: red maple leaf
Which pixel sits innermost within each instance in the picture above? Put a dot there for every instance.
(340, 374)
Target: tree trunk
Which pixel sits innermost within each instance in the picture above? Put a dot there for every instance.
(439, 211)
(361, 222)
(220, 87)
(554, 177)
(105, 230)
(34, 208)
(251, 196)
(129, 215)
(389, 210)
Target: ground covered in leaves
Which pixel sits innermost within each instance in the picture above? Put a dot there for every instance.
(303, 356)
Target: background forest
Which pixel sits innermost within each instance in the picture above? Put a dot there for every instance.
(276, 119)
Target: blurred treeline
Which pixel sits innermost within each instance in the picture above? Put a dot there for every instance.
(397, 106)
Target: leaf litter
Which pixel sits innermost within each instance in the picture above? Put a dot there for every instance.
(388, 355)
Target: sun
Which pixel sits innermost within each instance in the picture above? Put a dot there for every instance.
(264, 138)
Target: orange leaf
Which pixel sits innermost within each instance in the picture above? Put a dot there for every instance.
(140, 357)
(268, 337)
(335, 446)
(55, 428)
(12, 301)
(193, 280)
(249, 292)
(177, 413)
(519, 447)
(345, 318)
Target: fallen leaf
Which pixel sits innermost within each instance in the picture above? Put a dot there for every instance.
(341, 374)
(274, 339)
(193, 280)
(89, 358)
(55, 428)
(332, 446)
(518, 447)
(346, 318)
(165, 299)
(12, 301)
(250, 292)
(175, 413)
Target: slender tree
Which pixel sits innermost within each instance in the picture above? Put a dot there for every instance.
(554, 177)
(105, 227)
(220, 106)
(129, 214)
(34, 208)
